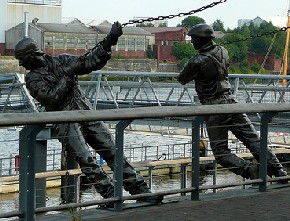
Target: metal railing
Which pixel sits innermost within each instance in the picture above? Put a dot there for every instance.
(35, 122)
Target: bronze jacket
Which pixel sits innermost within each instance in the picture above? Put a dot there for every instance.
(209, 71)
(56, 87)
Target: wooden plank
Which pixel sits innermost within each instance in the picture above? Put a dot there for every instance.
(11, 119)
(188, 160)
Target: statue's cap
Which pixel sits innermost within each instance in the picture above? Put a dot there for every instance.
(202, 31)
(26, 46)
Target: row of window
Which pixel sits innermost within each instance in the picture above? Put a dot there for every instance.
(37, 2)
(60, 42)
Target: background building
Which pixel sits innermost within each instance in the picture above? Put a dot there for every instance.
(12, 14)
(165, 37)
(76, 38)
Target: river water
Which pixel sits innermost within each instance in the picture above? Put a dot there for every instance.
(9, 146)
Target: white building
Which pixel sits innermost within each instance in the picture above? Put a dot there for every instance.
(278, 21)
(12, 13)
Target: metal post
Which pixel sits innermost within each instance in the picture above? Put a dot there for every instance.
(150, 175)
(119, 160)
(214, 175)
(183, 177)
(0, 167)
(27, 139)
(265, 119)
(26, 24)
(11, 165)
(69, 183)
(196, 123)
(40, 166)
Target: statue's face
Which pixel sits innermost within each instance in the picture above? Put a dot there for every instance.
(31, 61)
(196, 42)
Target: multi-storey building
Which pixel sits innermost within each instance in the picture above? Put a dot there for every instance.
(12, 13)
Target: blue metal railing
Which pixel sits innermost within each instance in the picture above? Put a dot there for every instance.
(35, 122)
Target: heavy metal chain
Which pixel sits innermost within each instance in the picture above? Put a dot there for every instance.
(255, 36)
(160, 18)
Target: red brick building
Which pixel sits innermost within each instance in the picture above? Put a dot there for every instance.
(271, 63)
(164, 40)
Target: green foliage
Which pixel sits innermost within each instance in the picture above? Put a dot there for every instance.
(163, 24)
(218, 25)
(145, 25)
(238, 51)
(150, 53)
(182, 50)
(190, 21)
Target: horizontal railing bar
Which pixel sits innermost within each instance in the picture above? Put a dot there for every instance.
(133, 197)
(144, 195)
(175, 74)
(11, 119)
(11, 214)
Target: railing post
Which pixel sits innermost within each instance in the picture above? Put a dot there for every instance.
(27, 151)
(118, 167)
(41, 165)
(265, 119)
(69, 183)
(196, 123)
(183, 177)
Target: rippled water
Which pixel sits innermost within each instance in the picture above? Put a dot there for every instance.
(9, 146)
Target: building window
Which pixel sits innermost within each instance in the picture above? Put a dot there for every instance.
(131, 44)
(140, 44)
(121, 44)
(164, 42)
(70, 43)
(81, 43)
(48, 42)
(91, 42)
(59, 42)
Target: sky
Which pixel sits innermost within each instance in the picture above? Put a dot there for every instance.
(124, 10)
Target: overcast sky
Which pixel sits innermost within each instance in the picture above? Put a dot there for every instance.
(124, 10)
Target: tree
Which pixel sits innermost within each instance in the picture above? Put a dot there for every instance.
(182, 50)
(237, 51)
(218, 25)
(150, 52)
(149, 24)
(163, 24)
(191, 21)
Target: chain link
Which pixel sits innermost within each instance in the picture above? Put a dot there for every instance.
(160, 18)
(256, 36)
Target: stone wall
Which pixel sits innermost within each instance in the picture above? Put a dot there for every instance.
(11, 65)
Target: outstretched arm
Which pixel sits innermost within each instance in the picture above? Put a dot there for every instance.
(97, 58)
(112, 37)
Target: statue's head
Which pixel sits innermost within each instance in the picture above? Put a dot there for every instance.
(201, 34)
(26, 51)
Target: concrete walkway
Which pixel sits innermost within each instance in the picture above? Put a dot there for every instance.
(232, 205)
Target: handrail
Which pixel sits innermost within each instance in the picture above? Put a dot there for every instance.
(174, 74)
(15, 119)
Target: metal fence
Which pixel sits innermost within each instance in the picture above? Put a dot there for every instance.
(31, 150)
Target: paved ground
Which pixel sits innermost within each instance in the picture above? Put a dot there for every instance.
(237, 205)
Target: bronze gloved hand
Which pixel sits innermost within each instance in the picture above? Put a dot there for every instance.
(112, 37)
(115, 33)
